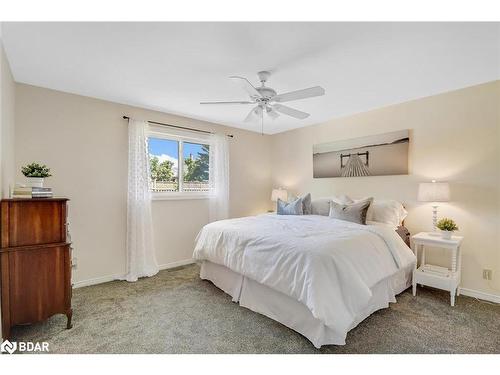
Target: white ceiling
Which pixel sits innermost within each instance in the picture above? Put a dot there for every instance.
(171, 67)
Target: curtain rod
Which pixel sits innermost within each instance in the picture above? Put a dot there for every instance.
(180, 127)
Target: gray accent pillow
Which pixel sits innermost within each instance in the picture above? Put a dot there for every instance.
(355, 212)
(289, 208)
(321, 206)
(306, 204)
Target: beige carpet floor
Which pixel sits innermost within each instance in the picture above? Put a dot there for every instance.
(176, 312)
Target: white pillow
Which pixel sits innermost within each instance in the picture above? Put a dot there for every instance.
(321, 206)
(386, 211)
(377, 224)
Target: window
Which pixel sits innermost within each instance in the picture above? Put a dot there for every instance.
(164, 164)
(178, 166)
(196, 167)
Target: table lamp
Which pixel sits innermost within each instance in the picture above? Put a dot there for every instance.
(434, 192)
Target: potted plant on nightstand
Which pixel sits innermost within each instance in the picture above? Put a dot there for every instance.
(35, 174)
(447, 227)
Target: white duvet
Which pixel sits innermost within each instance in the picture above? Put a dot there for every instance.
(329, 265)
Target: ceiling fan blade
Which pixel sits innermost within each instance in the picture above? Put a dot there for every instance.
(290, 111)
(299, 94)
(247, 86)
(237, 102)
(254, 114)
(272, 113)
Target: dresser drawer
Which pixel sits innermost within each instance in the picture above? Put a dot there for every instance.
(30, 222)
(39, 283)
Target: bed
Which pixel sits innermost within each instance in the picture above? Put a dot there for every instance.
(316, 275)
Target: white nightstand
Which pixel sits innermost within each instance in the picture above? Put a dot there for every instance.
(447, 280)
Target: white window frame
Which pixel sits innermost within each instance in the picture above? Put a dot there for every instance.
(181, 137)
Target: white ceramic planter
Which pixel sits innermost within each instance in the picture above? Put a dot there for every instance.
(35, 181)
(446, 234)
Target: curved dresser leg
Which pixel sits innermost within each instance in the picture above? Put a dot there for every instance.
(69, 315)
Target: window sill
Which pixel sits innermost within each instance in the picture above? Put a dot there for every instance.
(177, 196)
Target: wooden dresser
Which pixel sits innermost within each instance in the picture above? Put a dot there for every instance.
(35, 261)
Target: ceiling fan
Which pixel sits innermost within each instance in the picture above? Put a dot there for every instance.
(268, 101)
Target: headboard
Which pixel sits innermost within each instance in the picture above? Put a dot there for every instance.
(404, 233)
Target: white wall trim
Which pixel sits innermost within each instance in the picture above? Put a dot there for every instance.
(105, 279)
(176, 264)
(481, 295)
(96, 280)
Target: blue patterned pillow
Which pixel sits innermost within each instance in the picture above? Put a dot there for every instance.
(289, 208)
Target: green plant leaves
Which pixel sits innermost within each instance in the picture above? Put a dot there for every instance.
(447, 224)
(36, 170)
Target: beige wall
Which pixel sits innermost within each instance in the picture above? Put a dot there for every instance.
(84, 141)
(454, 137)
(7, 99)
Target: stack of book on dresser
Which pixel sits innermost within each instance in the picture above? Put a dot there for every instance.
(32, 192)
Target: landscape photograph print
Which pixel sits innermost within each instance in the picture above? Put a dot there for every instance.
(376, 155)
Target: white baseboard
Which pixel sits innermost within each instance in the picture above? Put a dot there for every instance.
(176, 264)
(105, 279)
(481, 295)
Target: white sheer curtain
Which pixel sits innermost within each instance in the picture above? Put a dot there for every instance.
(141, 259)
(219, 176)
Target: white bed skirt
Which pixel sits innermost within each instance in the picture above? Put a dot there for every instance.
(292, 313)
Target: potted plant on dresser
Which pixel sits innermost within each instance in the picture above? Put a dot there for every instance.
(35, 173)
(447, 227)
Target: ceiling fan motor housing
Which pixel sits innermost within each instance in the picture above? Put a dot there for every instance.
(266, 92)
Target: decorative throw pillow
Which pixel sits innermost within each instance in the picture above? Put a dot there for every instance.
(355, 212)
(342, 199)
(386, 211)
(289, 208)
(321, 206)
(306, 204)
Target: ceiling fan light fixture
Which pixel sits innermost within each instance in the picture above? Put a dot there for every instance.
(272, 113)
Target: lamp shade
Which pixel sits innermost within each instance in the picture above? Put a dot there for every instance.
(433, 192)
(279, 193)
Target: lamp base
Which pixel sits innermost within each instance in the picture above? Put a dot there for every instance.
(434, 218)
